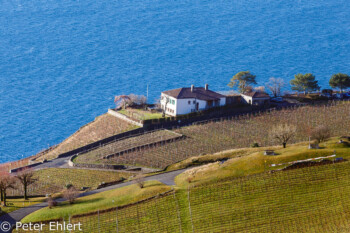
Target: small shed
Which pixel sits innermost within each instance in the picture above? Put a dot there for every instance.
(256, 98)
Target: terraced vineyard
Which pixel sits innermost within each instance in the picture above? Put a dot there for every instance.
(102, 127)
(53, 180)
(239, 132)
(122, 146)
(312, 199)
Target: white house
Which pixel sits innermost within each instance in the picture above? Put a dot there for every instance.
(255, 98)
(186, 100)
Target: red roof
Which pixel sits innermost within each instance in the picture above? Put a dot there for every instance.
(198, 93)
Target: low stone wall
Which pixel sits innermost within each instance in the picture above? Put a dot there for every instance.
(25, 167)
(103, 185)
(123, 117)
(152, 144)
(95, 166)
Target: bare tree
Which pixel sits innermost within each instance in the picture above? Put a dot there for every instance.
(275, 85)
(283, 133)
(26, 178)
(167, 100)
(136, 100)
(51, 202)
(142, 100)
(140, 180)
(260, 89)
(321, 133)
(6, 182)
(71, 194)
(121, 101)
(248, 89)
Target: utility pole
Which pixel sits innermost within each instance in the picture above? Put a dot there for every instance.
(147, 92)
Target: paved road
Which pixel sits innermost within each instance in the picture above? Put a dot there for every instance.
(55, 163)
(15, 216)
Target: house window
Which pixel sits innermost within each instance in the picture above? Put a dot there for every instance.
(189, 102)
(174, 102)
(194, 101)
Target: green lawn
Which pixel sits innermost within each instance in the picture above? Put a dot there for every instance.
(100, 201)
(140, 114)
(17, 203)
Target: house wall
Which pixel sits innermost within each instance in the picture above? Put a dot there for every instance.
(171, 108)
(223, 101)
(260, 101)
(185, 106)
(233, 100)
(255, 101)
(246, 99)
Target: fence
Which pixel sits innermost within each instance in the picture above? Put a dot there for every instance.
(214, 117)
(312, 199)
(219, 134)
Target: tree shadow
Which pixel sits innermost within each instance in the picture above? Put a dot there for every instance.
(66, 203)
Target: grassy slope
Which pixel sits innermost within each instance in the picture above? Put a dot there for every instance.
(17, 203)
(100, 201)
(249, 161)
(102, 127)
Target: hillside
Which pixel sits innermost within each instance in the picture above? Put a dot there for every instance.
(102, 127)
(237, 132)
(240, 194)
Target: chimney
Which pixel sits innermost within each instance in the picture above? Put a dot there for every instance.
(206, 87)
(192, 88)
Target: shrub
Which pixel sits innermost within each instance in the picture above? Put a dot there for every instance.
(283, 133)
(320, 133)
(140, 181)
(255, 144)
(68, 186)
(190, 179)
(51, 202)
(70, 194)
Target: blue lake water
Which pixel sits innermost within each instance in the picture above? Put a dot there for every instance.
(61, 62)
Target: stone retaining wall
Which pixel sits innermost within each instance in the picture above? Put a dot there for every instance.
(152, 144)
(95, 166)
(123, 117)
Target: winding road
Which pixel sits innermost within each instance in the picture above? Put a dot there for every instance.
(10, 219)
